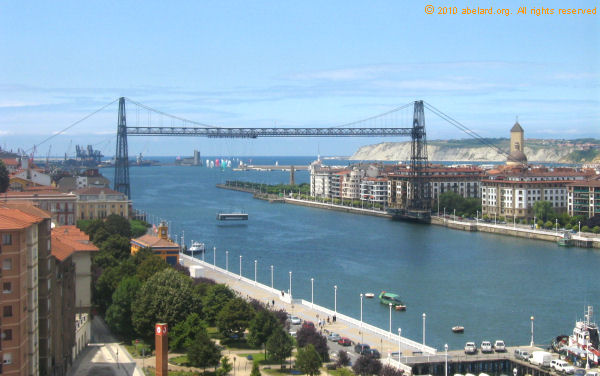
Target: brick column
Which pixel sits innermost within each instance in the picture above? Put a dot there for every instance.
(162, 348)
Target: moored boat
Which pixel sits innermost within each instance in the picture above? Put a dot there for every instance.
(393, 299)
(458, 329)
(196, 247)
(586, 337)
(369, 295)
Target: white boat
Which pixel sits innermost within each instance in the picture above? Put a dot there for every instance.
(197, 247)
(458, 329)
(369, 295)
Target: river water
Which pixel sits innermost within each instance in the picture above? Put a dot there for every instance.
(490, 284)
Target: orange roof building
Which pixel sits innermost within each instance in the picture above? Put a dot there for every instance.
(160, 244)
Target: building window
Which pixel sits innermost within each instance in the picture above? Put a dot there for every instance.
(7, 311)
(7, 264)
(7, 335)
(6, 239)
(6, 288)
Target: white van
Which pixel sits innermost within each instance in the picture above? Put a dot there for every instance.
(540, 358)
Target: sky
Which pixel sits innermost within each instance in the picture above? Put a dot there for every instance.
(291, 64)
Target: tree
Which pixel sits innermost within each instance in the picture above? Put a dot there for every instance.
(116, 224)
(107, 283)
(585, 229)
(150, 266)
(225, 367)
(343, 359)
(309, 335)
(596, 230)
(367, 365)
(100, 236)
(543, 210)
(308, 360)
(202, 352)
(185, 331)
(234, 318)
(255, 370)
(261, 327)
(164, 297)
(216, 297)
(280, 345)
(118, 315)
(4, 179)
(388, 370)
(116, 245)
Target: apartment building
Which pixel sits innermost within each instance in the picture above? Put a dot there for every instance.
(584, 198)
(60, 205)
(94, 203)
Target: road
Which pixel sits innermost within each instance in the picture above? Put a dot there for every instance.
(104, 356)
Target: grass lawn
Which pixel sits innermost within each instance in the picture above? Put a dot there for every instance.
(280, 372)
(237, 344)
(181, 360)
(151, 372)
(260, 358)
(136, 351)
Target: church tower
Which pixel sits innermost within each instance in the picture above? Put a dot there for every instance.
(163, 230)
(517, 146)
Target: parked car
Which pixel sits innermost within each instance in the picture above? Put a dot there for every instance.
(345, 341)
(486, 347)
(579, 372)
(295, 320)
(562, 366)
(333, 337)
(293, 333)
(373, 353)
(470, 348)
(308, 324)
(592, 373)
(522, 354)
(499, 346)
(362, 348)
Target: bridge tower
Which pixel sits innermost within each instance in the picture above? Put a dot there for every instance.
(420, 195)
(121, 183)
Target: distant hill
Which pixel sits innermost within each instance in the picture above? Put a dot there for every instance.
(537, 150)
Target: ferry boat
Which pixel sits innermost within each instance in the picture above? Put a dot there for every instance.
(234, 216)
(585, 336)
(566, 240)
(388, 297)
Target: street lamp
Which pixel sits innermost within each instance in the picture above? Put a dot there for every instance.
(556, 225)
(290, 286)
(255, 263)
(335, 299)
(446, 368)
(390, 304)
(271, 276)
(399, 340)
(226, 261)
(214, 257)
(361, 319)
(579, 233)
(312, 292)
(532, 331)
(240, 266)
(424, 316)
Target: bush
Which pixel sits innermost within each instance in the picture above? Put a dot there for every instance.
(585, 229)
(596, 230)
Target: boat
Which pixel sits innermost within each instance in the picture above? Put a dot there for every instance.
(369, 295)
(458, 329)
(566, 240)
(196, 247)
(390, 298)
(585, 336)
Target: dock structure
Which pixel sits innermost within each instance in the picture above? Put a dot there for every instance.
(346, 326)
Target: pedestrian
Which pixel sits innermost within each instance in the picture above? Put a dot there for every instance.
(327, 319)
(334, 318)
(273, 302)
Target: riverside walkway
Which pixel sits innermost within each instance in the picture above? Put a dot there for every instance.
(359, 332)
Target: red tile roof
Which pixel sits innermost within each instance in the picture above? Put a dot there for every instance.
(67, 240)
(10, 161)
(153, 241)
(15, 219)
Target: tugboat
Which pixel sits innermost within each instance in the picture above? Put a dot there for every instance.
(387, 298)
(585, 336)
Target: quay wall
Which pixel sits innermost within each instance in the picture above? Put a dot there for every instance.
(521, 232)
(187, 260)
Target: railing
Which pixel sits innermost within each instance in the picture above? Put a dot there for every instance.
(326, 311)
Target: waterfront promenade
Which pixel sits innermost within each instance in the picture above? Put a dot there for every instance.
(357, 331)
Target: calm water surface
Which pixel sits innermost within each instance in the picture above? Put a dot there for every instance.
(490, 284)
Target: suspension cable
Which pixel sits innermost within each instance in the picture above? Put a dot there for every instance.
(376, 116)
(169, 115)
(70, 126)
